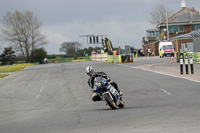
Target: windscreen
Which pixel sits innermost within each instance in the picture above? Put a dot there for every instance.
(167, 47)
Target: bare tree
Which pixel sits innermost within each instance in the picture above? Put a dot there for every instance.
(22, 29)
(70, 47)
(158, 14)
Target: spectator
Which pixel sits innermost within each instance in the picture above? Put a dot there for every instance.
(102, 51)
(149, 52)
(45, 60)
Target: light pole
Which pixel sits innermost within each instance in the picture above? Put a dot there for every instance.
(167, 26)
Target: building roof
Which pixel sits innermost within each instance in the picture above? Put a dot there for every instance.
(193, 34)
(152, 30)
(185, 15)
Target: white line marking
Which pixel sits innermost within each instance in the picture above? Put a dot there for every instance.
(168, 93)
(42, 88)
(166, 74)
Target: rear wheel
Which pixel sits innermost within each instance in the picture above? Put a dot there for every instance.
(110, 102)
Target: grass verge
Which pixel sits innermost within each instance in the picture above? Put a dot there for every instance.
(12, 68)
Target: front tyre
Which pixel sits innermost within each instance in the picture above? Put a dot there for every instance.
(110, 102)
(121, 105)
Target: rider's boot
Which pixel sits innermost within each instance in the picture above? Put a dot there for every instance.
(96, 97)
(117, 88)
(120, 92)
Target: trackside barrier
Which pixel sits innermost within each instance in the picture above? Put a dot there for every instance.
(181, 63)
(195, 55)
(127, 58)
(186, 64)
(191, 64)
(121, 58)
(79, 60)
(99, 57)
(186, 60)
(114, 59)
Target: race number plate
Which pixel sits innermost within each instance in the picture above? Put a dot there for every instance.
(112, 90)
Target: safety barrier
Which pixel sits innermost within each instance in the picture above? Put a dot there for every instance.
(112, 58)
(99, 57)
(195, 55)
(80, 60)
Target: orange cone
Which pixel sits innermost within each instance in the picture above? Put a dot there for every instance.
(131, 59)
(172, 57)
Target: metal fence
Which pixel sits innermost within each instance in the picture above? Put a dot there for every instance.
(196, 44)
(191, 47)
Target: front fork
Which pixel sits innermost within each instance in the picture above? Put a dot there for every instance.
(108, 93)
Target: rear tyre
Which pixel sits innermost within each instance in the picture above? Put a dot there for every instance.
(110, 102)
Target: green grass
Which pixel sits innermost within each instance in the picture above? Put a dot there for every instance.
(13, 68)
(62, 59)
(3, 75)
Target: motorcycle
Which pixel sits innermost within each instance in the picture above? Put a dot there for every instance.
(108, 93)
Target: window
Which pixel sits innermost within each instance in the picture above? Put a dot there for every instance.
(167, 47)
(173, 29)
(157, 33)
(192, 27)
(181, 28)
(195, 27)
(151, 34)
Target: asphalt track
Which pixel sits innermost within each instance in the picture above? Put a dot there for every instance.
(55, 98)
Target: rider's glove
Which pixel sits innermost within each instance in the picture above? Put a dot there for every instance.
(108, 80)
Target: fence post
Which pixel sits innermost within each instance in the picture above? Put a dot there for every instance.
(186, 64)
(191, 64)
(181, 63)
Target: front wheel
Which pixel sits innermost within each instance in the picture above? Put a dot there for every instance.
(121, 105)
(110, 102)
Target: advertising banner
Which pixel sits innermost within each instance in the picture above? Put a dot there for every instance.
(107, 45)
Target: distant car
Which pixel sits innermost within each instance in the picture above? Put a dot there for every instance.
(166, 49)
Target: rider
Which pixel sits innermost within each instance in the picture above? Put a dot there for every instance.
(92, 74)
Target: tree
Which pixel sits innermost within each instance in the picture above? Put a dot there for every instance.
(70, 48)
(158, 14)
(22, 30)
(8, 57)
(38, 55)
(81, 52)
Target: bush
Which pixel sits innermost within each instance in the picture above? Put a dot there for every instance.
(8, 57)
(38, 55)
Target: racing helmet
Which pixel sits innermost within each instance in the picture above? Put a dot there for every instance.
(89, 70)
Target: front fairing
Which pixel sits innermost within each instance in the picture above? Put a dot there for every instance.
(114, 93)
(100, 85)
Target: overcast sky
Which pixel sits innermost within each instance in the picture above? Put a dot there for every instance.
(123, 21)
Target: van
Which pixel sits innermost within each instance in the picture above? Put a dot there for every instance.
(166, 49)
